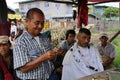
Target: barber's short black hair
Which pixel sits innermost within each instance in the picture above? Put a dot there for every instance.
(85, 30)
(70, 31)
(31, 12)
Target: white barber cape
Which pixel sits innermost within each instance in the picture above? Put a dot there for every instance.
(80, 62)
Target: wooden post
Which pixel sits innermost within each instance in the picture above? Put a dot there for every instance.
(4, 25)
(114, 36)
(3, 12)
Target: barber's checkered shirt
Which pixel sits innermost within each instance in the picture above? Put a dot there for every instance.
(26, 48)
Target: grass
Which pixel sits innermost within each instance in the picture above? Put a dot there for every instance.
(116, 42)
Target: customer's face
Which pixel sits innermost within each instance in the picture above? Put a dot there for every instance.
(36, 24)
(4, 49)
(71, 38)
(83, 39)
(103, 40)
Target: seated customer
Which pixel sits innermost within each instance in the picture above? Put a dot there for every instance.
(106, 50)
(64, 46)
(70, 40)
(6, 60)
(82, 59)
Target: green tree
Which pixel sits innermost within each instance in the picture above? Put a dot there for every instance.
(17, 10)
(111, 12)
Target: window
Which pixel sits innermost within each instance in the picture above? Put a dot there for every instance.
(68, 9)
(29, 6)
(46, 5)
(21, 7)
(37, 4)
(57, 5)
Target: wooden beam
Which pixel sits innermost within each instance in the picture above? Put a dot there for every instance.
(3, 12)
(114, 36)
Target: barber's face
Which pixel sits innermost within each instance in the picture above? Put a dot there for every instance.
(83, 39)
(36, 24)
(4, 49)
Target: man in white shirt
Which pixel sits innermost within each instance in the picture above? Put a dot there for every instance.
(82, 59)
(13, 30)
(107, 51)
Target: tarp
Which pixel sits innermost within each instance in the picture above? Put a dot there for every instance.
(75, 1)
(104, 0)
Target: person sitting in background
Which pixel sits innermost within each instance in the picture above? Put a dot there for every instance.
(13, 30)
(6, 60)
(106, 50)
(81, 59)
(64, 46)
(20, 28)
(70, 40)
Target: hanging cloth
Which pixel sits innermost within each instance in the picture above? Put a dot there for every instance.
(82, 13)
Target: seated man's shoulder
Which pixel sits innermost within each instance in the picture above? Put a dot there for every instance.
(64, 42)
(110, 45)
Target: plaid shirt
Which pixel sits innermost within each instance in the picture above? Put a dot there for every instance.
(26, 48)
(108, 50)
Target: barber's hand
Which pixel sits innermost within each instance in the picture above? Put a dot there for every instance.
(49, 55)
(59, 70)
(57, 49)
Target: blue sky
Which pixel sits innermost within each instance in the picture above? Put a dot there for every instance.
(13, 4)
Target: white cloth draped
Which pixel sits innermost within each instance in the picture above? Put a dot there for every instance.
(76, 61)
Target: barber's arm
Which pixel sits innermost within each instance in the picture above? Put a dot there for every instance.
(49, 55)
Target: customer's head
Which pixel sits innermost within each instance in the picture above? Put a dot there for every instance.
(103, 38)
(35, 21)
(84, 37)
(70, 35)
(4, 45)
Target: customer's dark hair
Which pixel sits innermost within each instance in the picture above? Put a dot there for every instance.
(31, 12)
(85, 30)
(70, 31)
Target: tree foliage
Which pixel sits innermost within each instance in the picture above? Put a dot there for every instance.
(17, 9)
(111, 12)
